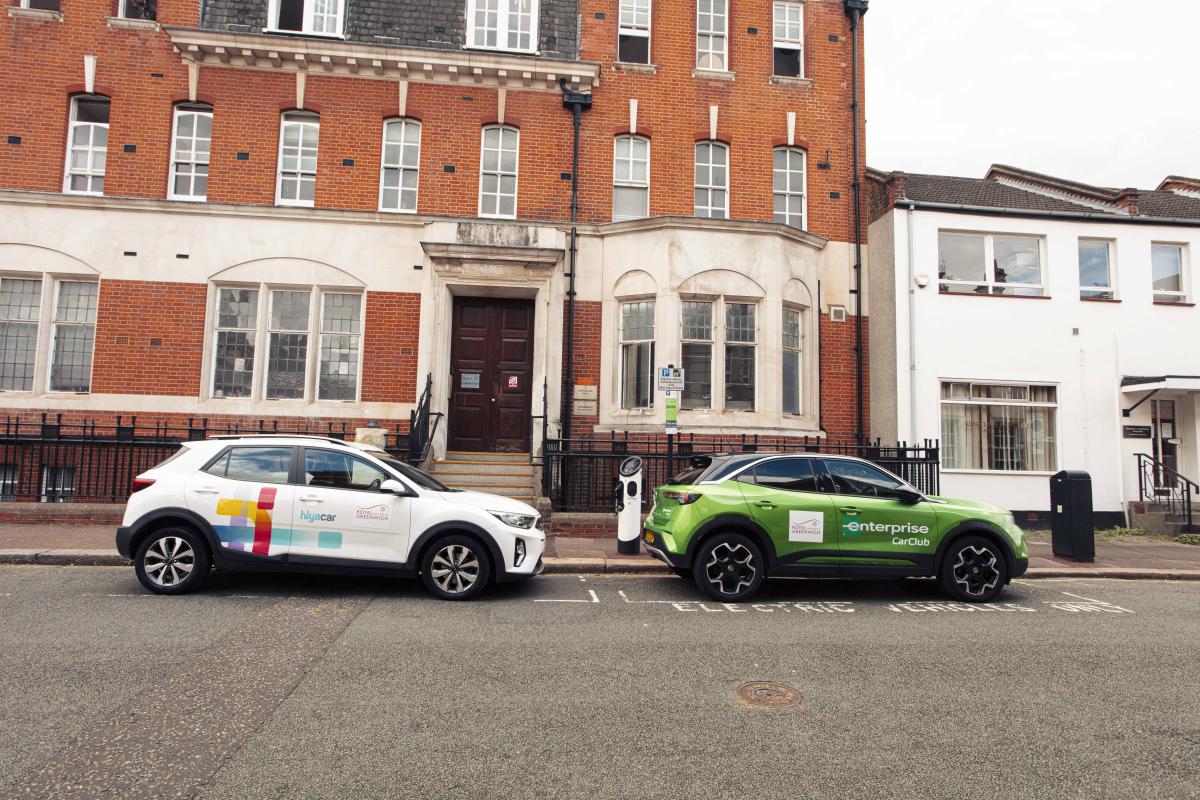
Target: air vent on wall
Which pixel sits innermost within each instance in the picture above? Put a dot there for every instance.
(837, 313)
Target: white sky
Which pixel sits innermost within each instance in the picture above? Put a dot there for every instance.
(1100, 91)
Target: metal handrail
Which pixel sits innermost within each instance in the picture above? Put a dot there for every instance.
(1164, 485)
(420, 433)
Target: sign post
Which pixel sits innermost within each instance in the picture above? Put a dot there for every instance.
(670, 381)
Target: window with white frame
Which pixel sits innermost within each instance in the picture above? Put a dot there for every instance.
(191, 144)
(401, 165)
(999, 427)
(87, 145)
(1167, 264)
(790, 176)
(697, 354)
(633, 32)
(793, 361)
(712, 38)
(137, 9)
(789, 39)
(1095, 269)
(631, 178)
(502, 24)
(637, 354)
(298, 136)
(42, 5)
(498, 172)
(712, 180)
(1001, 264)
(73, 336)
(321, 17)
(284, 323)
(740, 338)
(20, 310)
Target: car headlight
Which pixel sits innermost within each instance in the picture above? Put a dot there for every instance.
(524, 521)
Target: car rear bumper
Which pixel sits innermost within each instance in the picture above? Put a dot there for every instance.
(124, 537)
(655, 549)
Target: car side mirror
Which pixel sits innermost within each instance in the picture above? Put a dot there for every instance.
(908, 496)
(393, 486)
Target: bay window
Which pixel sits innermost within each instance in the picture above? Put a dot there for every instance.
(498, 172)
(697, 353)
(637, 354)
(631, 178)
(401, 165)
(320, 17)
(191, 144)
(1167, 261)
(998, 264)
(999, 427)
(297, 181)
(502, 24)
(87, 148)
(712, 34)
(712, 180)
(633, 32)
(740, 339)
(311, 338)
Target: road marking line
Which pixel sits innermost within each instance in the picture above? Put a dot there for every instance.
(592, 592)
(625, 597)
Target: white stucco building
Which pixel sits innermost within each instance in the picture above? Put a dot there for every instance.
(1033, 324)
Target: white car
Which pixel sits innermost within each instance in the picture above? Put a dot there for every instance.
(310, 504)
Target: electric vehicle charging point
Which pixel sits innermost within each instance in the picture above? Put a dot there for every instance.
(629, 506)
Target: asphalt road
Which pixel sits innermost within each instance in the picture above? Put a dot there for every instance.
(604, 687)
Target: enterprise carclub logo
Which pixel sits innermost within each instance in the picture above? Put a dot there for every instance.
(902, 534)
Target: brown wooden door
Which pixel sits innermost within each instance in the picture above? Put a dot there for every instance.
(491, 366)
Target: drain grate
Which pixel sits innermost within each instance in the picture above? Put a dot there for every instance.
(764, 694)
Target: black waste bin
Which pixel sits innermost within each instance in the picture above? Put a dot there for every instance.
(1071, 515)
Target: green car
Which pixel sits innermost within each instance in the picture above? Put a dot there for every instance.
(731, 521)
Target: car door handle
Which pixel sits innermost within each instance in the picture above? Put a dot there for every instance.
(765, 504)
(205, 490)
(854, 512)
(311, 498)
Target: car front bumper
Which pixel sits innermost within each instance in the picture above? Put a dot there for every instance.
(1020, 567)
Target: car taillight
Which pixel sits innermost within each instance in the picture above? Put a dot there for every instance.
(683, 498)
(142, 483)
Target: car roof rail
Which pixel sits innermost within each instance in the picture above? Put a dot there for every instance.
(229, 436)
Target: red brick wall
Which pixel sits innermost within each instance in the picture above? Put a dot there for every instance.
(390, 336)
(149, 338)
(838, 397)
(673, 111)
(588, 321)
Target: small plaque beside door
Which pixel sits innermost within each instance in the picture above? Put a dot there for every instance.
(468, 380)
(512, 382)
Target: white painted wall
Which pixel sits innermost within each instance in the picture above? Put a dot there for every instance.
(984, 338)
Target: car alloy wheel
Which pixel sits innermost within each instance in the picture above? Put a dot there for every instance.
(976, 570)
(730, 568)
(169, 561)
(455, 569)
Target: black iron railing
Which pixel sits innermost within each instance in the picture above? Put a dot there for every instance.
(422, 425)
(46, 459)
(1166, 488)
(579, 474)
(543, 419)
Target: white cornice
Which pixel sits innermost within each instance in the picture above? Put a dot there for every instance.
(706, 224)
(292, 54)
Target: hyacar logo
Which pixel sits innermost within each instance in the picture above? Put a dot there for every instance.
(309, 516)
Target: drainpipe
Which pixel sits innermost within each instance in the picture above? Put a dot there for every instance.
(855, 9)
(912, 331)
(578, 102)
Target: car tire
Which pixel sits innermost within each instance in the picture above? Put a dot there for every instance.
(974, 570)
(456, 568)
(172, 561)
(729, 567)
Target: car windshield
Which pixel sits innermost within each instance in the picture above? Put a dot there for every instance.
(413, 474)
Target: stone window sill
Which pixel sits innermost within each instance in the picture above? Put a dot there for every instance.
(715, 74)
(790, 80)
(999, 296)
(35, 13)
(135, 24)
(1176, 303)
(1100, 299)
(626, 66)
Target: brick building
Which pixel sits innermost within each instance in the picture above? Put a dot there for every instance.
(294, 211)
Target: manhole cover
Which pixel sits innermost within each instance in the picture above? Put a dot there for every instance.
(763, 694)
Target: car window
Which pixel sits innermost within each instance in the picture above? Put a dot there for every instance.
(340, 471)
(789, 474)
(254, 464)
(857, 478)
(415, 475)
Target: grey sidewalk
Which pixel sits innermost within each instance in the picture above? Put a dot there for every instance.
(1124, 557)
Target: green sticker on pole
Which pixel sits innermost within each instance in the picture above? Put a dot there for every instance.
(672, 406)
